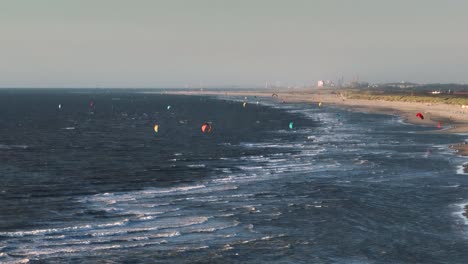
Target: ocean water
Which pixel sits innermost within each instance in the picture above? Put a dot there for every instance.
(92, 183)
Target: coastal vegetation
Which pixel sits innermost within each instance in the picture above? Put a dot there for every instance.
(418, 97)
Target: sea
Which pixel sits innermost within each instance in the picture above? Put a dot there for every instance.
(84, 178)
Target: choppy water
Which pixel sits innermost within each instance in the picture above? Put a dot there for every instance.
(86, 184)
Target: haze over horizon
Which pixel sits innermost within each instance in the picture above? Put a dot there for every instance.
(117, 43)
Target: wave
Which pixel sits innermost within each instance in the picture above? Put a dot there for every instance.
(272, 145)
(451, 186)
(100, 237)
(462, 212)
(462, 169)
(113, 198)
(196, 166)
(61, 230)
(112, 233)
(194, 248)
(7, 147)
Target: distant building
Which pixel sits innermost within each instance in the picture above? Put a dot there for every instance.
(326, 83)
(402, 85)
(356, 84)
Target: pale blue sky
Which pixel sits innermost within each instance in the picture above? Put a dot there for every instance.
(153, 43)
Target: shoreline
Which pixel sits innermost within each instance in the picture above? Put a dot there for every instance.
(452, 118)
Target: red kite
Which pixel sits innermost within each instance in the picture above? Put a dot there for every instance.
(206, 128)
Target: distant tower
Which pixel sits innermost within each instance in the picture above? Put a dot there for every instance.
(340, 82)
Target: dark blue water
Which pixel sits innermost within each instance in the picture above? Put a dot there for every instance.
(94, 184)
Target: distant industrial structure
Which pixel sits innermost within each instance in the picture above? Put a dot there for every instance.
(327, 83)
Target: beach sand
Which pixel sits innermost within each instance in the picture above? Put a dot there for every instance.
(461, 149)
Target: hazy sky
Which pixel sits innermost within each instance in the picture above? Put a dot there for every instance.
(172, 43)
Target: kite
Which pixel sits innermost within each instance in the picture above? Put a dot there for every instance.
(206, 128)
